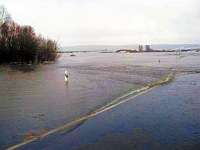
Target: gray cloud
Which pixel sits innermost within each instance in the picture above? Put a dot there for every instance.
(111, 22)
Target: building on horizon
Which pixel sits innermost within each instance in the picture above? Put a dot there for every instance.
(148, 48)
(140, 48)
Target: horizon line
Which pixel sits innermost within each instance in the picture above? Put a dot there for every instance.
(128, 44)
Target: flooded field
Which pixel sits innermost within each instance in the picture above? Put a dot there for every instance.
(41, 100)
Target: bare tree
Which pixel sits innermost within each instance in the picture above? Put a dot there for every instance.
(20, 44)
(5, 17)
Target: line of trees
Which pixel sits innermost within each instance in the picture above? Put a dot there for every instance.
(20, 44)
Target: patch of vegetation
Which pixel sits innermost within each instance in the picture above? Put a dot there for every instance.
(21, 45)
(168, 79)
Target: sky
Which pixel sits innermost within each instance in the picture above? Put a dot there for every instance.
(110, 22)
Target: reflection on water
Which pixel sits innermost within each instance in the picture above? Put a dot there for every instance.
(95, 79)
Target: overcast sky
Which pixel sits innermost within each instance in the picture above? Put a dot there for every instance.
(110, 22)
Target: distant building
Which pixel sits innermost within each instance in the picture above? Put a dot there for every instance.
(147, 48)
(140, 48)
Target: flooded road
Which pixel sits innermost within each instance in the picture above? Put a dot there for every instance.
(167, 118)
(42, 100)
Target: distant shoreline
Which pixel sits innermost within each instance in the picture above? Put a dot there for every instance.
(128, 46)
(128, 51)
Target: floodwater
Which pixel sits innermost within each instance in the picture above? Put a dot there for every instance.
(165, 118)
(41, 99)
